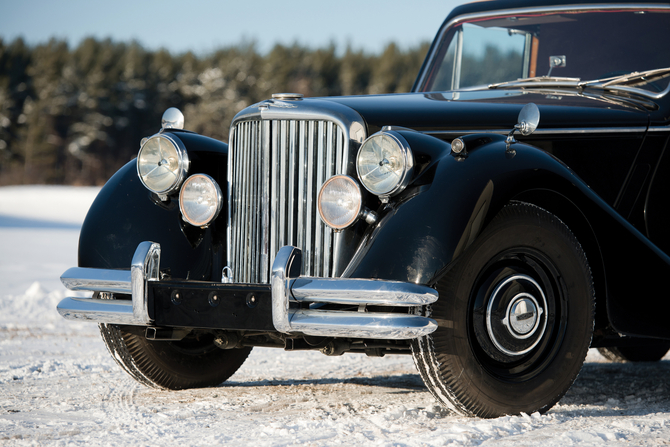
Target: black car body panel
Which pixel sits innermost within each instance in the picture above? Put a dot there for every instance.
(494, 222)
(124, 214)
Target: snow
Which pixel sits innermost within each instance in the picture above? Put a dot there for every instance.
(58, 384)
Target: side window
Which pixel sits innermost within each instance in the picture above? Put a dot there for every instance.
(491, 55)
(445, 75)
(478, 56)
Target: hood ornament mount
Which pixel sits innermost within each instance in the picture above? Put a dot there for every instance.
(528, 120)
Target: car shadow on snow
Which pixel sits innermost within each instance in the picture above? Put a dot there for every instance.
(602, 389)
(405, 383)
(621, 388)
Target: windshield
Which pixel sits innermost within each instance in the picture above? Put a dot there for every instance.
(566, 44)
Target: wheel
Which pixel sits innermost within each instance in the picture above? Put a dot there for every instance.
(652, 353)
(174, 365)
(515, 318)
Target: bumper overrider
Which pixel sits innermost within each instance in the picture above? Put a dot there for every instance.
(249, 307)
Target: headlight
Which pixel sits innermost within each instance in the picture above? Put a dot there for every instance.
(162, 163)
(384, 163)
(339, 201)
(200, 200)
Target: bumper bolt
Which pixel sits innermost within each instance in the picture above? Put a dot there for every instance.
(213, 299)
(252, 301)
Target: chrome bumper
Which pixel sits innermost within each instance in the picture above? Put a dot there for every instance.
(144, 267)
(287, 286)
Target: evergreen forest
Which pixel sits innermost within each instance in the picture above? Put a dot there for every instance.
(76, 115)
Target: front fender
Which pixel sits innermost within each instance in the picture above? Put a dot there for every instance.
(418, 238)
(428, 226)
(125, 213)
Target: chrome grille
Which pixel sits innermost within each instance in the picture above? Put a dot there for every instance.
(276, 170)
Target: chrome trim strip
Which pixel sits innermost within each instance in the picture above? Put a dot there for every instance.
(80, 278)
(535, 10)
(362, 291)
(287, 286)
(458, 61)
(539, 131)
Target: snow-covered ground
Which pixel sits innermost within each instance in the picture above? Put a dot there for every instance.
(58, 384)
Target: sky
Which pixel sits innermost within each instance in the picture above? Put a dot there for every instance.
(205, 25)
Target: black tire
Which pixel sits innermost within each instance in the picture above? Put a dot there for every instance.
(621, 354)
(174, 365)
(487, 360)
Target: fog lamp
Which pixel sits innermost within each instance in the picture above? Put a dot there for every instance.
(200, 200)
(340, 202)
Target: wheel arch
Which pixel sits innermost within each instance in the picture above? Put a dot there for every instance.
(567, 211)
(428, 232)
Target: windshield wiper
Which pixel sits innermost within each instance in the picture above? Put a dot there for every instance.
(539, 81)
(628, 84)
(634, 78)
(631, 82)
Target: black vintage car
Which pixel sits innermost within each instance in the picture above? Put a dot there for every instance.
(494, 223)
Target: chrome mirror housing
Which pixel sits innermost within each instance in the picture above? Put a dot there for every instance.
(529, 118)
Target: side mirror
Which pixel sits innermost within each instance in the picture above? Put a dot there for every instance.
(528, 120)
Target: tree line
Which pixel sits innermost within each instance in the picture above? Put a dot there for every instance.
(76, 115)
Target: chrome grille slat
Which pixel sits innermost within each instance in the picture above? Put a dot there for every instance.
(253, 179)
(277, 168)
(248, 173)
(265, 198)
(302, 181)
(283, 183)
(274, 198)
(311, 209)
(330, 171)
(320, 161)
(292, 198)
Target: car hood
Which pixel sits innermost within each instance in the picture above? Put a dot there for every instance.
(493, 110)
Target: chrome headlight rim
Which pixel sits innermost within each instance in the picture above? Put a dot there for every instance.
(406, 156)
(218, 198)
(183, 163)
(359, 202)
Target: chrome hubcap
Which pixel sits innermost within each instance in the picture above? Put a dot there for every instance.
(516, 316)
(522, 316)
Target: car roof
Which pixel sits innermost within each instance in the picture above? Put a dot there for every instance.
(494, 5)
